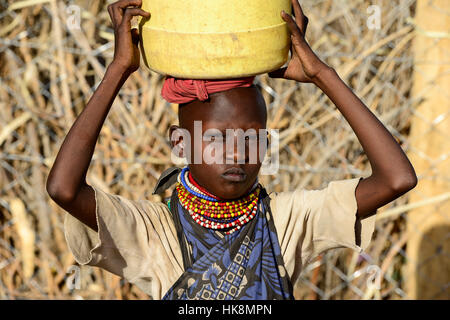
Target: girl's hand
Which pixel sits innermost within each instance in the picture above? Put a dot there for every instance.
(304, 65)
(126, 52)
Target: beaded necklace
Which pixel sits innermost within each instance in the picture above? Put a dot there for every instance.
(210, 212)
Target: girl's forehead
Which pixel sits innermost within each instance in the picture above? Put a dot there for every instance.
(240, 108)
(233, 124)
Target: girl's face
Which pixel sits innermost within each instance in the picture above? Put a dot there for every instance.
(226, 135)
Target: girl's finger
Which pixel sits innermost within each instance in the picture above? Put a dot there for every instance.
(305, 23)
(130, 13)
(111, 15)
(119, 7)
(299, 16)
(292, 25)
(115, 15)
(123, 4)
(280, 73)
(297, 9)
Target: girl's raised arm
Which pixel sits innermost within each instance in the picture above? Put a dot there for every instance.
(66, 183)
(392, 173)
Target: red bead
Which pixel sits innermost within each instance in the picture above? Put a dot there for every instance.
(201, 210)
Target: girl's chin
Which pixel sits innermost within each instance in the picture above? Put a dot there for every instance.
(232, 192)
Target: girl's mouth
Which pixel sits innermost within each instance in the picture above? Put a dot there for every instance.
(234, 175)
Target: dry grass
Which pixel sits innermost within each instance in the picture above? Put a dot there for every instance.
(48, 73)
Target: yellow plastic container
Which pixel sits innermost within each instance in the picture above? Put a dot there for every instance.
(214, 39)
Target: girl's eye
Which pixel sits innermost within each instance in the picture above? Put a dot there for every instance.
(216, 138)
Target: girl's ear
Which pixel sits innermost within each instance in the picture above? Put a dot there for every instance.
(176, 136)
(267, 141)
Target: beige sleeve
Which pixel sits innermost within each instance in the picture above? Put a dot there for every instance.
(136, 240)
(309, 222)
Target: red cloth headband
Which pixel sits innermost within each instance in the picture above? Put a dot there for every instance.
(182, 91)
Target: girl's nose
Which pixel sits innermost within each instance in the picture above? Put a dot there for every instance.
(236, 150)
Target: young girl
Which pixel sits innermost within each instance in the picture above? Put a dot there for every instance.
(221, 236)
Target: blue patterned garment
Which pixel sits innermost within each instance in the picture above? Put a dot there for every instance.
(246, 264)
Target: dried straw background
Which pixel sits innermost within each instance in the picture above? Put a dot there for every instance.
(48, 73)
